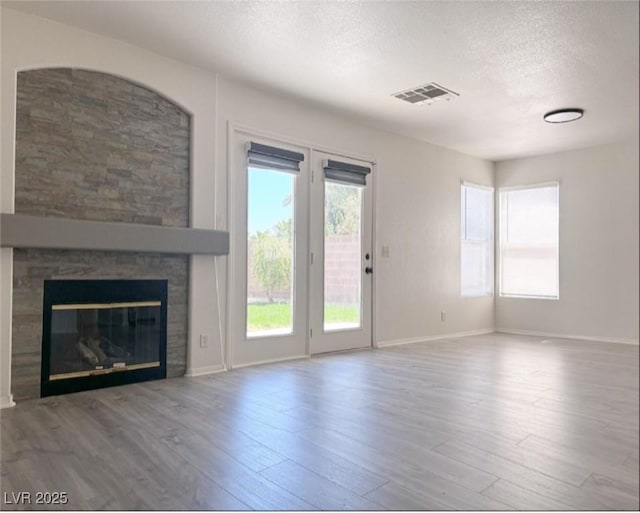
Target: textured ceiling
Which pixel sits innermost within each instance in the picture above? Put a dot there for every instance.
(509, 61)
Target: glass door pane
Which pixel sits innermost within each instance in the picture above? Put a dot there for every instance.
(93, 339)
(270, 252)
(342, 256)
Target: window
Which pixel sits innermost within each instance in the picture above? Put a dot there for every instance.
(529, 235)
(476, 244)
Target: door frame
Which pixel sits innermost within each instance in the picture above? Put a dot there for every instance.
(234, 129)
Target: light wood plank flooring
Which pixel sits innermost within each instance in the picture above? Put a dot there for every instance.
(489, 422)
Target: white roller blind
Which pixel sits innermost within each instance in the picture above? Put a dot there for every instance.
(476, 241)
(529, 241)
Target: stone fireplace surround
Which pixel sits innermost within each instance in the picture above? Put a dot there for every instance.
(92, 146)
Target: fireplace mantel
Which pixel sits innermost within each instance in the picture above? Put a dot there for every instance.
(25, 231)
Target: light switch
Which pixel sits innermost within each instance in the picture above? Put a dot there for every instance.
(385, 251)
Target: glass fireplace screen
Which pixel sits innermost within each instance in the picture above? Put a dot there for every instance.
(102, 338)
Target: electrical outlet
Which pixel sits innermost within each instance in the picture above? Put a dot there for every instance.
(204, 341)
(443, 316)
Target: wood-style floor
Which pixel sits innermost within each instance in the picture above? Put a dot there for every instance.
(489, 422)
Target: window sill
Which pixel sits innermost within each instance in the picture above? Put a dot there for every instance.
(516, 296)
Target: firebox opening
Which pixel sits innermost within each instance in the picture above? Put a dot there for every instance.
(101, 333)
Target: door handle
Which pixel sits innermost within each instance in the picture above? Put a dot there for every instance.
(368, 270)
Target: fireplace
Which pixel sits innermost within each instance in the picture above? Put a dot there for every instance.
(100, 333)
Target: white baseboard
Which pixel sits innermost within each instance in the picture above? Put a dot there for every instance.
(203, 371)
(546, 334)
(403, 341)
(6, 401)
(275, 360)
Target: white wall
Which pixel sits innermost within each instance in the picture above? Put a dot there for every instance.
(417, 207)
(598, 244)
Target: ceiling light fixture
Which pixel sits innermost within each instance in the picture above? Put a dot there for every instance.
(563, 115)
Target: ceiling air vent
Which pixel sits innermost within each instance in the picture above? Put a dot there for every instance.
(426, 93)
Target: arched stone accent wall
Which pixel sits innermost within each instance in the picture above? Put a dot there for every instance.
(94, 146)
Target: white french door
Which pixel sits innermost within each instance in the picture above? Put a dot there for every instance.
(301, 260)
(342, 257)
(268, 318)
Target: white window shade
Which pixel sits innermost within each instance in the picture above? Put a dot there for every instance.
(476, 240)
(529, 241)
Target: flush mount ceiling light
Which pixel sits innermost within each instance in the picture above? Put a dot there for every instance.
(563, 115)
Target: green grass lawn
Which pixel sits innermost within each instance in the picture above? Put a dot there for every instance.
(265, 316)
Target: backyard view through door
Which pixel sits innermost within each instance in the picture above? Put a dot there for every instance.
(270, 252)
(342, 256)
